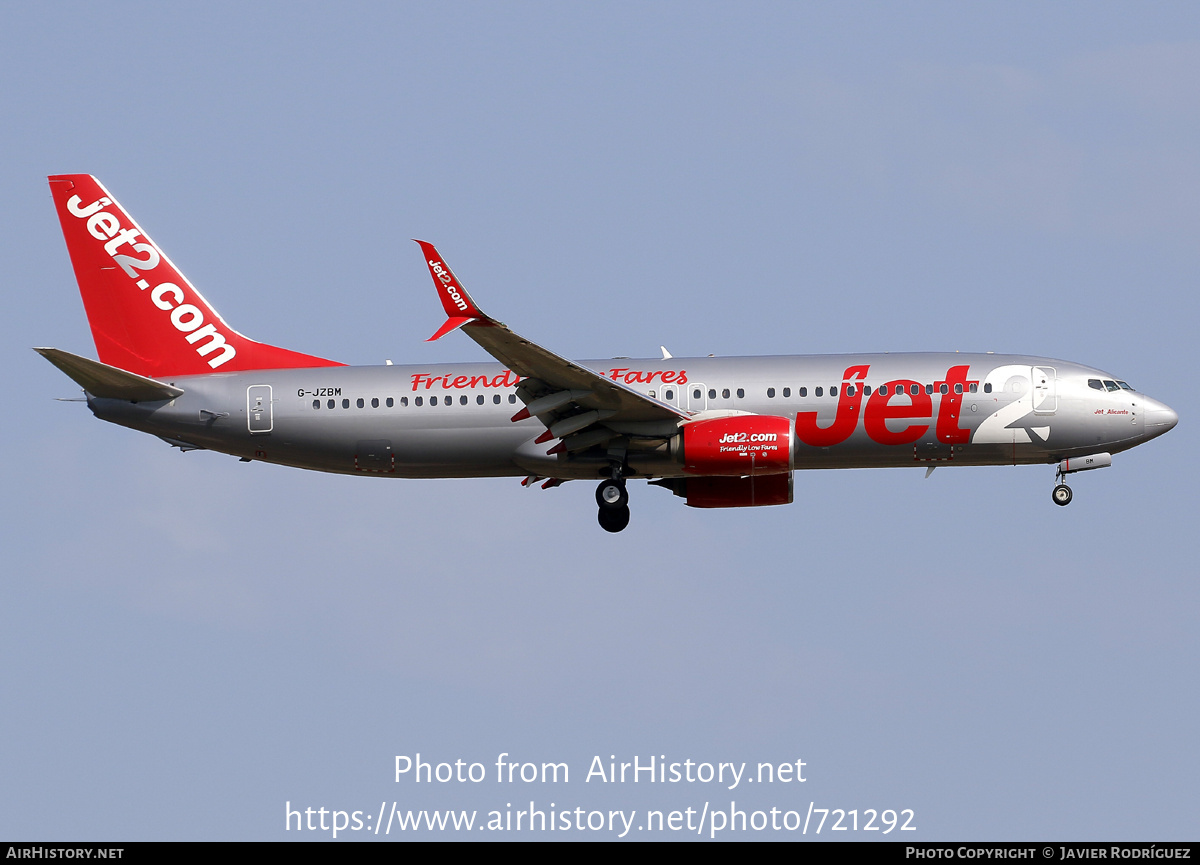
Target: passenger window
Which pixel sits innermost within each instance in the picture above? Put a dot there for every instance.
(390, 402)
(374, 402)
(987, 388)
(331, 403)
(883, 389)
(512, 398)
(417, 401)
(668, 394)
(787, 391)
(866, 390)
(958, 388)
(479, 399)
(697, 393)
(833, 391)
(974, 387)
(818, 391)
(712, 393)
(849, 390)
(404, 401)
(316, 403)
(345, 403)
(462, 400)
(943, 388)
(914, 389)
(770, 393)
(651, 393)
(725, 393)
(803, 391)
(433, 400)
(496, 399)
(741, 393)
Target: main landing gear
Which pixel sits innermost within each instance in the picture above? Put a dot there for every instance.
(613, 499)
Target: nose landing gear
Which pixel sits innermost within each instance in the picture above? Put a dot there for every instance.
(613, 499)
(1061, 495)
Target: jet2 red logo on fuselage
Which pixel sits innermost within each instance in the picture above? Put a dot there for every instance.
(899, 399)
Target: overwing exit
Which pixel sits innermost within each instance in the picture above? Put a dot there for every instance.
(718, 432)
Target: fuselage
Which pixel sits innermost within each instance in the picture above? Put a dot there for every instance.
(848, 411)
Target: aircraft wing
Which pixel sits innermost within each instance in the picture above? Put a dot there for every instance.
(567, 397)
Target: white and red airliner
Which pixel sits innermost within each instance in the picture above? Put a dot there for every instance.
(718, 431)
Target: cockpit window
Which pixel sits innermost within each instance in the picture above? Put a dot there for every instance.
(1095, 384)
(1125, 385)
(1111, 385)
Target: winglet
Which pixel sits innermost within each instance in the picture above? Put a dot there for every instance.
(460, 308)
(452, 323)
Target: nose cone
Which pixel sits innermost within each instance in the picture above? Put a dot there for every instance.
(1160, 417)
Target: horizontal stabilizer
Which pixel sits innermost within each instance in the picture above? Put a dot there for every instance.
(108, 382)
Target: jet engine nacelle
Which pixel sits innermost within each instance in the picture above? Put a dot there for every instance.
(742, 445)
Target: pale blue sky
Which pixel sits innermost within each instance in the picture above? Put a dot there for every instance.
(187, 642)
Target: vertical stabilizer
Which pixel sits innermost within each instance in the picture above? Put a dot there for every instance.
(145, 316)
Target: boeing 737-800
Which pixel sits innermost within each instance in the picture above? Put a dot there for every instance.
(720, 432)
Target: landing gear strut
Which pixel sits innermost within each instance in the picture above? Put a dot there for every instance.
(1061, 494)
(613, 499)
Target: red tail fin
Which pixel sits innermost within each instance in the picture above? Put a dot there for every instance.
(145, 316)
